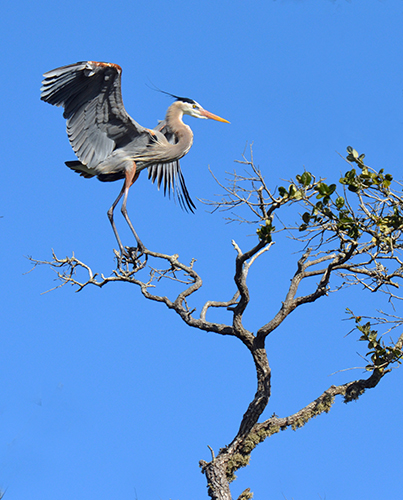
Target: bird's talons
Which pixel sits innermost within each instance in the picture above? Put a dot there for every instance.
(131, 256)
(134, 253)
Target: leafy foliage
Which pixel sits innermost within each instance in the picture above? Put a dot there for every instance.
(265, 232)
(382, 355)
(379, 216)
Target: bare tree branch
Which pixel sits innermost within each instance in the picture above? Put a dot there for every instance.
(348, 239)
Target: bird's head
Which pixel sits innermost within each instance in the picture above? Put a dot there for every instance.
(193, 108)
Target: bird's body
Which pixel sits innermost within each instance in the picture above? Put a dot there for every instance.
(111, 145)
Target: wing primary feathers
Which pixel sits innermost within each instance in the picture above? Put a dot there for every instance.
(170, 176)
(97, 122)
(187, 202)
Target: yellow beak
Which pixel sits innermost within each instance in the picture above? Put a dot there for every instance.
(207, 114)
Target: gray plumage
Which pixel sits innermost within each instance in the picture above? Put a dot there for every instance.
(111, 145)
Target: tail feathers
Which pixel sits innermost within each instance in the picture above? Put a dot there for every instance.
(81, 169)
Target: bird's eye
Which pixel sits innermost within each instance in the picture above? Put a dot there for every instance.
(195, 106)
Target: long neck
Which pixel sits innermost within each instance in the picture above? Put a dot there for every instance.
(182, 131)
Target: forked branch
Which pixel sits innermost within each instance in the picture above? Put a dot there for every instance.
(346, 238)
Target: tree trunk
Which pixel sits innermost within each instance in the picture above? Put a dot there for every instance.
(217, 482)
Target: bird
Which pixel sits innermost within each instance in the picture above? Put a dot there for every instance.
(110, 144)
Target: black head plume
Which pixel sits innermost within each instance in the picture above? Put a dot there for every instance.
(183, 99)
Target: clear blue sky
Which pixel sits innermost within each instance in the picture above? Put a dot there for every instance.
(106, 396)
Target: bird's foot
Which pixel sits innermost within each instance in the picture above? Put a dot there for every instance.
(131, 256)
(134, 255)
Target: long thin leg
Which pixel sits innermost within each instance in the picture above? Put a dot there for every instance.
(110, 216)
(131, 177)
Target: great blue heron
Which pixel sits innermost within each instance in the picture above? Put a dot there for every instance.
(109, 144)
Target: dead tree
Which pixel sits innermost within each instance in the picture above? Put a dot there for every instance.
(350, 233)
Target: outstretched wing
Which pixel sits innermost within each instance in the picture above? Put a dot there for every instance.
(97, 121)
(170, 174)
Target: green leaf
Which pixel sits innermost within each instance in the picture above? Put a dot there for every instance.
(292, 190)
(306, 179)
(331, 189)
(322, 188)
(339, 202)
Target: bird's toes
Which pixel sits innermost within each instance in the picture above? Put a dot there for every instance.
(132, 253)
(130, 256)
(134, 256)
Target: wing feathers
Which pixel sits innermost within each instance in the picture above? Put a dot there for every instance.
(99, 127)
(90, 93)
(170, 175)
